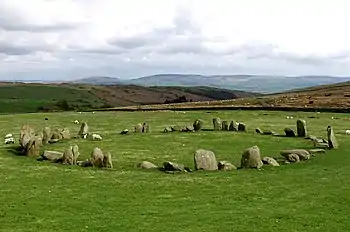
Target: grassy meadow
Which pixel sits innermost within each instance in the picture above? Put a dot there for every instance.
(309, 196)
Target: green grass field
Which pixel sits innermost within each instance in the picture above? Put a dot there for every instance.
(309, 196)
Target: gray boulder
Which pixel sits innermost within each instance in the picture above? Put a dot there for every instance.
(167, 129)
(217, 124)
(124, 132)
(147, 165)
(205, 160)
(175, 167)
(34, 146)
(76, 153)
(97, 158)
(233, 126)
(332, 141)
(138, 128)
(176, 128)
(56, 134)
(251, 158)
(314, 151)
(291, 158)
(301, 153)
(53, 156)
(241, 127)
(84, 130)
(198, 125)
(259, 131)
(270, 161)
(226, 166)
(289, 132)
(146, 128)
(225, 126)
(65, 134)
(301, 128)
(47, 134)
(188, 129)
(68, 157)
(26, 134)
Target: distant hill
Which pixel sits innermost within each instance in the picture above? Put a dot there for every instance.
(98, 81)
(249, 83)
(333, 97)
(33, 97)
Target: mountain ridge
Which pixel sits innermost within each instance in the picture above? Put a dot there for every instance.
(243, 82)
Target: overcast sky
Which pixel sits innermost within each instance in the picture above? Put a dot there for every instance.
(70, 39)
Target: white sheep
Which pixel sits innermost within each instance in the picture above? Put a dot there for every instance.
(96, 137)
(9, 140)
(8, 136)
(347, 132)
(76, 122)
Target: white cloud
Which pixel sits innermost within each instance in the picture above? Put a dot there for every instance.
(73, 38)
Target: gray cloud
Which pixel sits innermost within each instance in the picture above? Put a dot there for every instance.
(10, 26)
(11, 19)
(14, 49)
(184, 36)
(151, 38)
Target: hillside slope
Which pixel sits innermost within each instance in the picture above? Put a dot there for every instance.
(327, 97)
(22, 98)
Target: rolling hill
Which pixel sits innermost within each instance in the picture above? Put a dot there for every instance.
(33, 97)
(334, 97)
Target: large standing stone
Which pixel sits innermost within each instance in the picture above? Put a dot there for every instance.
(76, 153)
(226, 166)
(65, 134)
(301, 128)
(289, 132)
(146, 128)
(270, 161)
(26, 135)
(68, 157)
(205, 160)
(303, 154)
(97, 158)
(241, 127)
(84, 130)
(138, 128)
(217, 124)
(47, 134)
(251, 158)
(233, 126)
(198, 125)
(225, 126)
(34, 146)
(332, 141)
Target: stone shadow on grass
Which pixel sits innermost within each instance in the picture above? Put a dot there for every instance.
(15, 150)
